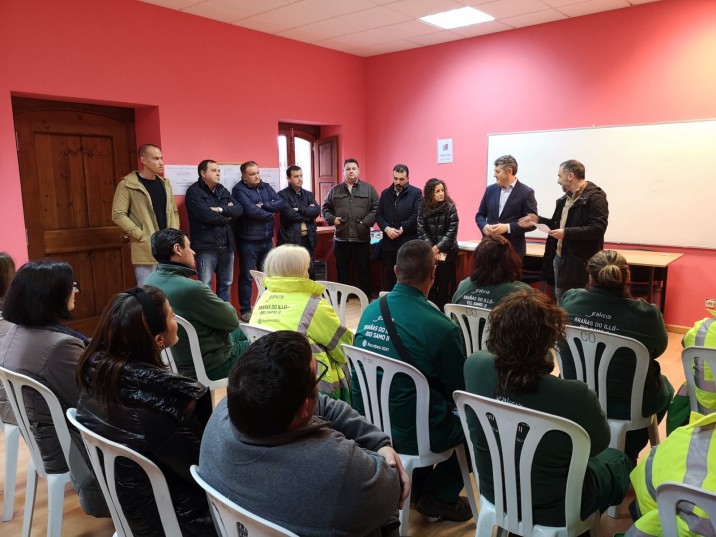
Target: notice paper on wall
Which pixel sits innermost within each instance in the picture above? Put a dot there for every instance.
(180, 176)
(444, 150)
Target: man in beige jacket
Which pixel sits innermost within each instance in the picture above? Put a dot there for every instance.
(143, 204)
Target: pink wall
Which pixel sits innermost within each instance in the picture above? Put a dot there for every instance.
(645, 64)
(202, 89)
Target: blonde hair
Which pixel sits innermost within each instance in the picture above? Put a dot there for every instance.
(609, 270)
(288, 261)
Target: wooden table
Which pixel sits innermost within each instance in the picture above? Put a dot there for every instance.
(641, 258)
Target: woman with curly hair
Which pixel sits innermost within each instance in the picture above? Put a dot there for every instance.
(496, 272)
(437, 225)
(524, 329)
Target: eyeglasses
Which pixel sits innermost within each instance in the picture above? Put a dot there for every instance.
(75, 287)
(321, 370)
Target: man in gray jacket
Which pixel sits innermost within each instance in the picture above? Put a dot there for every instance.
(306, 462)
(351, 207)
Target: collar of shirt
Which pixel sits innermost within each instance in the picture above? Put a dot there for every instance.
(509, 187)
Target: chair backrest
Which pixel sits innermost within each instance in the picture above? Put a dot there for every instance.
(669, 496)
(695, 361)
(254, 331)
(512, 448)
(232, 520)
(258, 277)
(337, 295)
(197, 358)
(375, 391)
(168, 360)
(17, 388)
(473, 322)
(104, 469)
(585, 344)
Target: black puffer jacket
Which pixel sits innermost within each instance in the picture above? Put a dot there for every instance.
(162, 416)
(439, 227)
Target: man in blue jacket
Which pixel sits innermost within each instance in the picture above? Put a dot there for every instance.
(298, 216)
(211, 208)
(254, 230)
(397, 218)
(504, 203)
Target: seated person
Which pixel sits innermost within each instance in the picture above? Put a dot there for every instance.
(434, 345)
(607, 302)
(7, 272)
(215, 321)
(130, 397)
(683, 456)
(294, 302)
(524, 328)
(496, 272)
(39, 345)
(304, 461)
(702, 334)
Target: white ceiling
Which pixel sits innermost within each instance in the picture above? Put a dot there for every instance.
(371, 27)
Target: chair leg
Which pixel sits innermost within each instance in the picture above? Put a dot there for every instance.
(30, 492)
(465, 470)
(12, 440)
(485, 523)
(55, 503)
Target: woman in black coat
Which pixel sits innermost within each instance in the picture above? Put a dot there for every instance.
(129, 396)
(437, 224)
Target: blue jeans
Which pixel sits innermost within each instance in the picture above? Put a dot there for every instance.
(220, 262)
(251, 257)
(141, 272)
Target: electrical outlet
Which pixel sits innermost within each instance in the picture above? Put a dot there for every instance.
(711, 303)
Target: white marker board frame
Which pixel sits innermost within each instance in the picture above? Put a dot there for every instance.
(659, 178)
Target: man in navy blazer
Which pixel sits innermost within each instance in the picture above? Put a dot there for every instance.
(504, 203)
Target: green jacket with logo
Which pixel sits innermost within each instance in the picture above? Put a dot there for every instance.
(436, 348)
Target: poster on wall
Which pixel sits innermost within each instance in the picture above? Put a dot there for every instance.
(181, 177)
(272, 177)
(444, 150)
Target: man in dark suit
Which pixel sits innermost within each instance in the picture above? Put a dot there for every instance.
(504, 203)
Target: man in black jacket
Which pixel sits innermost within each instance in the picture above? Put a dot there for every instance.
(397, 218)
(211, 208)
(577, 229)
(298, 216)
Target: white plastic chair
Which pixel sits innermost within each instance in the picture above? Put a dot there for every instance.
(376, 393)
(254, 331)
(668, 496)
(104, 470)
(198, 360)
(258, 277)
(509, 420)
(14, 387)
(232, 520)
(337, 295)
(585, 357)
(474, 324)
(697, 357)
(11, 436)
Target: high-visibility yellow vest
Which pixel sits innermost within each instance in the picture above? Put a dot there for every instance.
(687, 455)
(703, 334)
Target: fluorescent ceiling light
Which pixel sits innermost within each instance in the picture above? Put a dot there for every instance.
(457, 18)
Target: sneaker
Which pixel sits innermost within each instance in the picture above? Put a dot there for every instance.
(245, 317)
(431, 508)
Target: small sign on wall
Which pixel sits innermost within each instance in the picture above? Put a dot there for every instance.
(444, 150)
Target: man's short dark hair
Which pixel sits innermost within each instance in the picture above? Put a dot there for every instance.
(269, 383)
(507, 161)
(415, 262)
(204, 165)
(401, 168)
(350, 161)
(247, 165)
(292, 169)
(163, 242)
(144, 148)
(575, 167)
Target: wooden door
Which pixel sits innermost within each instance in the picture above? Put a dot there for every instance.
(71, 158)
(325, 167)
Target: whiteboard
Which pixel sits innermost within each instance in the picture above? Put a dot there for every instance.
(660, 179)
